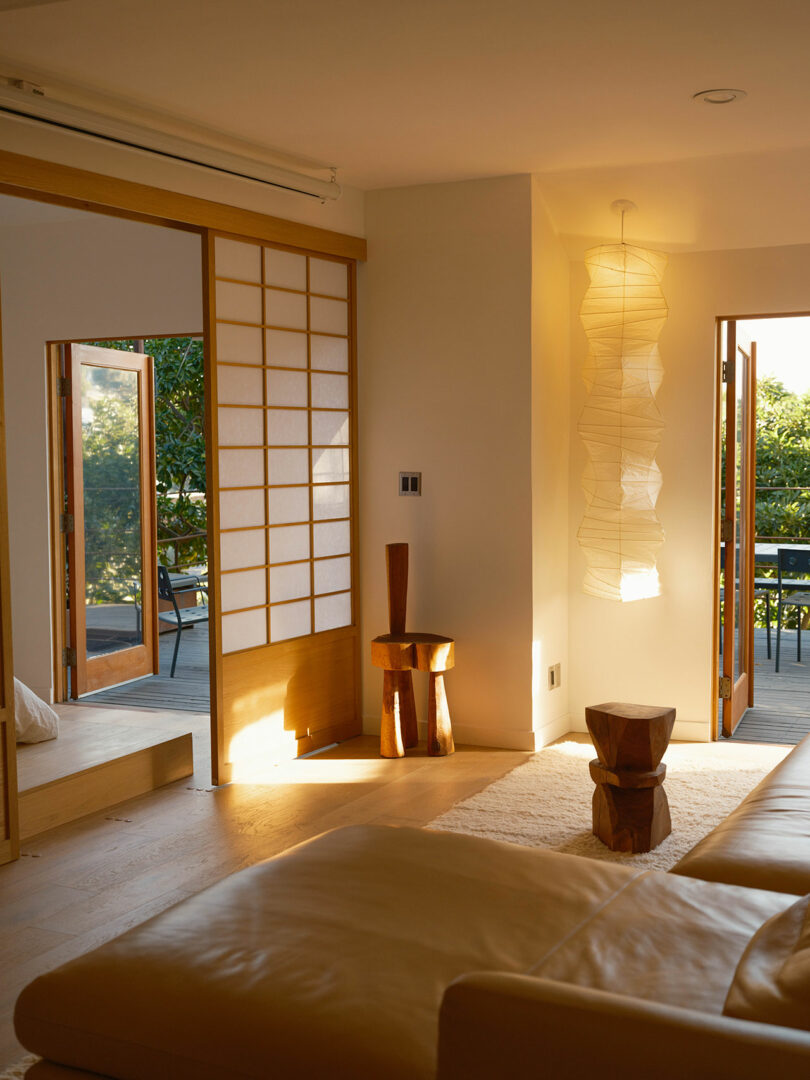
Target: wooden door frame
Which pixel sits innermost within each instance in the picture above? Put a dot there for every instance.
(46, 181)
(95, 673)
(740, 416)
(56, 488)
(9, 803)
(718, 518)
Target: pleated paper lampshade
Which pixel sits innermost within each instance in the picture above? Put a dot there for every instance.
(623, 313)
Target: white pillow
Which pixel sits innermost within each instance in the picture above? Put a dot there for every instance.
(35, 719)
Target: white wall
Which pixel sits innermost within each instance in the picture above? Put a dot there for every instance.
(96, 276)
(22, 137)
(659, 651)
(445, 388)
(550, 465)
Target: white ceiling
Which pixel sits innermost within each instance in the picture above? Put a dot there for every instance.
(589, 94)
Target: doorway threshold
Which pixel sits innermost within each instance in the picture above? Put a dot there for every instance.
(100, 758)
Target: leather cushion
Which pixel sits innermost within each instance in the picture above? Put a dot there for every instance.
(329, 961)
(772, 981)
(672, 940)
(765, 842)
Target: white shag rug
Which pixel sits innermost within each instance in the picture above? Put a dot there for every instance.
(546, 802)
(18, 1070)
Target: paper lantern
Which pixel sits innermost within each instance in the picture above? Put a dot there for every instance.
(623, 313)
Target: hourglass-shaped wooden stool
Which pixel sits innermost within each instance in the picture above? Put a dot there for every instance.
(630, 807)
(399, 654)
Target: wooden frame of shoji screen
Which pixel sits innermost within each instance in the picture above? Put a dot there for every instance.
(34, 178)
(285, 407)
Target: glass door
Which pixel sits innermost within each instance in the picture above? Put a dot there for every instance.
(111, 530)
(738, 528)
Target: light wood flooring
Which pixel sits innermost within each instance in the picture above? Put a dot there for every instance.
(84, 883)
(90, 735)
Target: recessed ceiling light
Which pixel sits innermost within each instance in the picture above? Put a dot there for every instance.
(723, 96)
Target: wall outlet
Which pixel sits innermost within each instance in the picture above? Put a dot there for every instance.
(554, 677)
(410, 483)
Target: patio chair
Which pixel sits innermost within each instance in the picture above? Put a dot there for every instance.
(762, 591)
(186, 616)
(791, 561)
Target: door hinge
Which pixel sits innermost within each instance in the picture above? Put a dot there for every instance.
(729, 369)
(69, 657)
(726, 531)
(64, 387)
(725, 687)
(66, 523)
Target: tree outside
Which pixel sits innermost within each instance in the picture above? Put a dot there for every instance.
(111, 483)
(782, 475)
(110, 461)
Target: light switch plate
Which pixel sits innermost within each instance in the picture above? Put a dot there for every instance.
(410, 483)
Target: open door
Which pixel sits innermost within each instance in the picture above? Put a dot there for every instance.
(282, 509)
(9, 828)
(111, 541)
(738, 529)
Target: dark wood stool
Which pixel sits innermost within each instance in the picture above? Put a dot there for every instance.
(630, 807)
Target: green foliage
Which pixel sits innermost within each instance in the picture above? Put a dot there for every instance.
(180, 443)
(783, 473)
(783, 462)
(112, 508)
(179, 451)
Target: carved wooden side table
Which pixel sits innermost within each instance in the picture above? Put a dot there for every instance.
(630, 807)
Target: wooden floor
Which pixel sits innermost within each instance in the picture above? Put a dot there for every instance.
(188, 691)
(90, 735)
(84, 883)
(781, 710)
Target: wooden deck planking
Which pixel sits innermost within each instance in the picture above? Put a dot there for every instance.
(188, 691)
(781, 710)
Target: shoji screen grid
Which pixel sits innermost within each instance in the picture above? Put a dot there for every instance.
(284, 420)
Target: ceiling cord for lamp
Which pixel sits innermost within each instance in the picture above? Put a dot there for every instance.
(623, 206)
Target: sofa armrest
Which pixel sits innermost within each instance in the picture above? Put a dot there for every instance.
(526, 1028)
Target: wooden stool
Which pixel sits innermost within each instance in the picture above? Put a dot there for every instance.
(399, 654)
(630, 807)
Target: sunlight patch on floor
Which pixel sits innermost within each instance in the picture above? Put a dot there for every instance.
(265, 753)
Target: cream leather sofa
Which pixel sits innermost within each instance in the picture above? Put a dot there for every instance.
(403, 954)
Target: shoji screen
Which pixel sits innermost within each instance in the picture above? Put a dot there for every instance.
(281, 416)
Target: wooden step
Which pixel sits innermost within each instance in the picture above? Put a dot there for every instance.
(66, 798)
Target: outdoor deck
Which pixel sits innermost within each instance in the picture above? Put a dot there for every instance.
(188, 691)
(781, 710)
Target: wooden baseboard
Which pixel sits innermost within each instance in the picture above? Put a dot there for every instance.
(101, 786)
